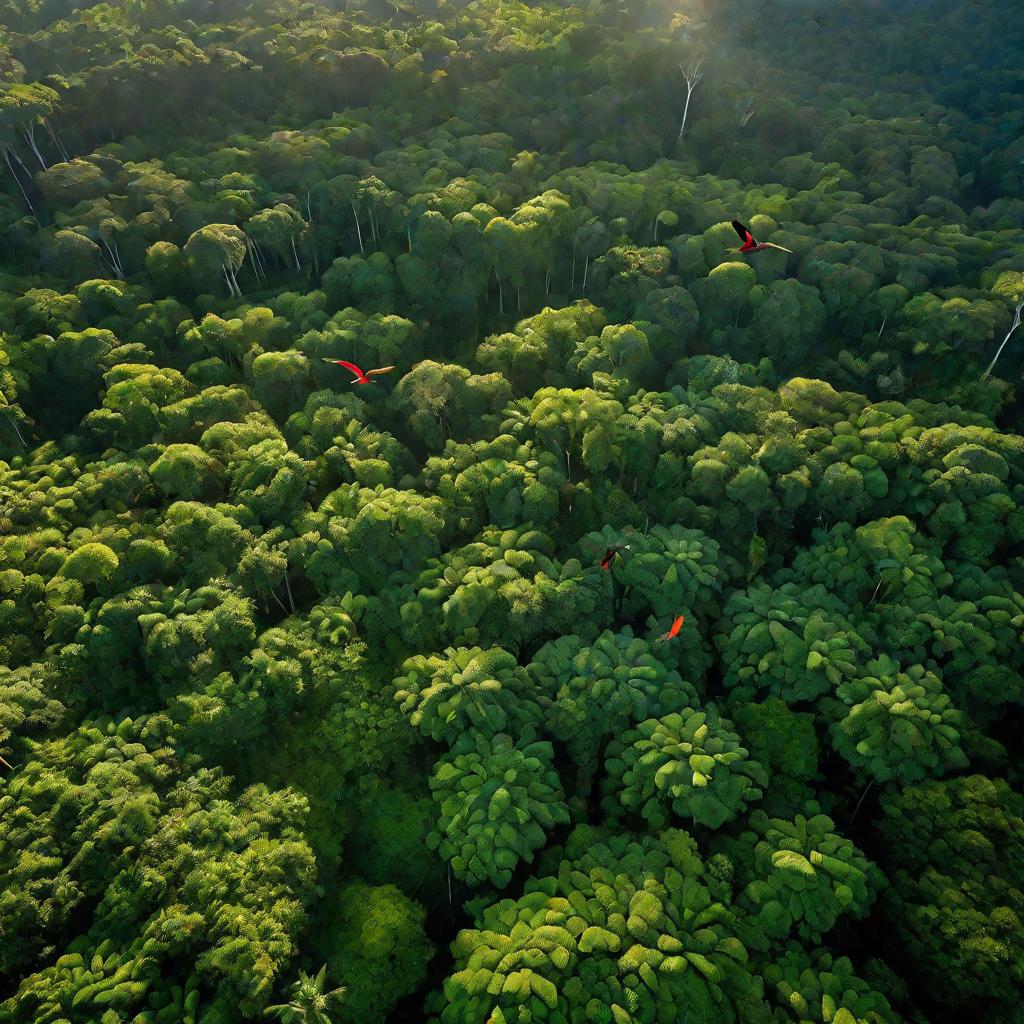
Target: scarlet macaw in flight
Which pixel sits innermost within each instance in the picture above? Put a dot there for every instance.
(749, 243)
(361, 378)
(609, 555)
(674, 631)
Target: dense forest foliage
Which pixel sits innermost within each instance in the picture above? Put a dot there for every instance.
(335, 703)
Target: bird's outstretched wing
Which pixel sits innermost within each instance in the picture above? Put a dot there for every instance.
(348, 366)
(745, 236)
(379, 371)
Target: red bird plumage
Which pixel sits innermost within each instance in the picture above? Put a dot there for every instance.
(609, 556)
(750, 244)
(361, 378)
(745, 237)
(674, 631)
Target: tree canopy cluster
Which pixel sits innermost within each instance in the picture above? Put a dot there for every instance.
(316, 701)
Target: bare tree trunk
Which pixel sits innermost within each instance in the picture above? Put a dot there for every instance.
(14, 423)
(693, 77)
(686, 110)
(227, 278)
(295, 253)
(251, 251)
(586, 267)
(234, 279)
(56, 140)
(288, 587)
(572, 280)
(14, 175)
(259, 259)
(359, 230)
(309, 207)
(861, 800)
(114, 262)
(29, 132)
(109, 264)
(999, 351)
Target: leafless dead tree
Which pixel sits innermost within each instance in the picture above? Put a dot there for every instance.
(693, 77)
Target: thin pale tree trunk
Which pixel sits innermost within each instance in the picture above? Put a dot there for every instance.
(586, 267)
(999, 351)
(686, 109)
(251, 253)
(861, 800)
(56, 140)
(295, 253)
(29, 132)
(693, 78)
(259, 259)
(572, 280)
(14, 175)
(114, 261)
(359, 230)
(14, 423)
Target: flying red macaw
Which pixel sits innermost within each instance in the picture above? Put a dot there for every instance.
(749, 243)
(609, 555)
(674, 631)
(361, 378)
